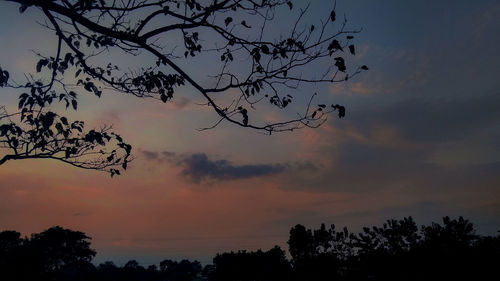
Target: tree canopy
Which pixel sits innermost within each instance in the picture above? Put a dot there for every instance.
(396, 250)
(251, 63)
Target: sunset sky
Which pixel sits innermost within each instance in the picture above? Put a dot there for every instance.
(421, 138)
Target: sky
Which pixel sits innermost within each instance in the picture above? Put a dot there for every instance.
(420, 139)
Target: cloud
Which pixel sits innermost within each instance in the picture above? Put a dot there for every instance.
(149, 155)
(198, 167)
(435, 145)
(180, 103)
(433, 120)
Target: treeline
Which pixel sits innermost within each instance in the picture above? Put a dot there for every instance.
(397, 250)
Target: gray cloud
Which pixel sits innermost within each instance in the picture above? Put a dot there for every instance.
(198, 167)
(422, 128)
(432, 120)
(150, 155)
(368, 167)
(181, 102)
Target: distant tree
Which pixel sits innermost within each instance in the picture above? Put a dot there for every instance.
(446, 251)
(11, 254)
(184, 270)
(132, 271)
(321, 253)
(254, 64)
(59, 251)
(397, 250)
(10, 240)
(251, 266)
(108, 271)
(55, 254)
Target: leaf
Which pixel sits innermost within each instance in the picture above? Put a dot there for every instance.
(265, 49)
(332, 16)
(290, 4)
(64, 121)
(364, 67)
(340, 64)
(244, 23)
(350, 37)
(341, 110)
(312, 28)
(88, 86)
(228, 20)
(74, 103)
(244, 112)
(41, 63)
(164, 98)
(59, 128)
(352, 50)
(334, 46)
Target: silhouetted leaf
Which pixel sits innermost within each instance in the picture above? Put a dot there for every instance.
(340, 64)
(352, 50)
(332, 16)
(244, 23)
(164, 98)
(41, 63)
(244, 112)
(334, 46)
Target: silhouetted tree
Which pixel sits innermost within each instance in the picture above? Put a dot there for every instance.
(251, 266)
(319, 253)
(11, 254)
(253, 63)
(184, 270)
(397, 250)
(62, 254)
(55, 254)
(108, 271)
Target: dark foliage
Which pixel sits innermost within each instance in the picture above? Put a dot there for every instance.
(249, 266)
(398, 250)
(55, 254)
(252, 64)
